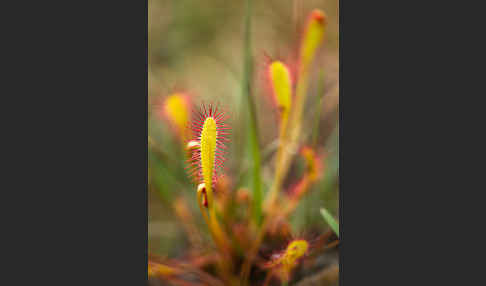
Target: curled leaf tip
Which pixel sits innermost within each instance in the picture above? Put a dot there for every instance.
(284, 262)
(201, 191)
(192, 145)
(313, 36)
(319, 16)
(295, 250)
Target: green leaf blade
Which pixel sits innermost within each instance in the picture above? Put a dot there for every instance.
(330, 220)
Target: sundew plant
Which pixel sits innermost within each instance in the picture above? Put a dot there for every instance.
(246, 193)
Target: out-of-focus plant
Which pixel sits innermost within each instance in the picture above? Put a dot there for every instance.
(290, 139)
(176, 109)
(313, 169)
(313, 36)
(283, 263)
(241, 225)
(281, 83)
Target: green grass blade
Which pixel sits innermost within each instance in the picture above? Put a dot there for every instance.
(254, 146)
(330, 220)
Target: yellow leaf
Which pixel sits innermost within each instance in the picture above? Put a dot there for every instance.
(313, 35)
(281, 85)
(208, 152)
(176, 108)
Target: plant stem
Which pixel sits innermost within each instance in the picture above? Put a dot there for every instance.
(219, 237)
(320, 93)
(290, 141)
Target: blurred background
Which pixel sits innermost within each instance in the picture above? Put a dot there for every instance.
(197, 47)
